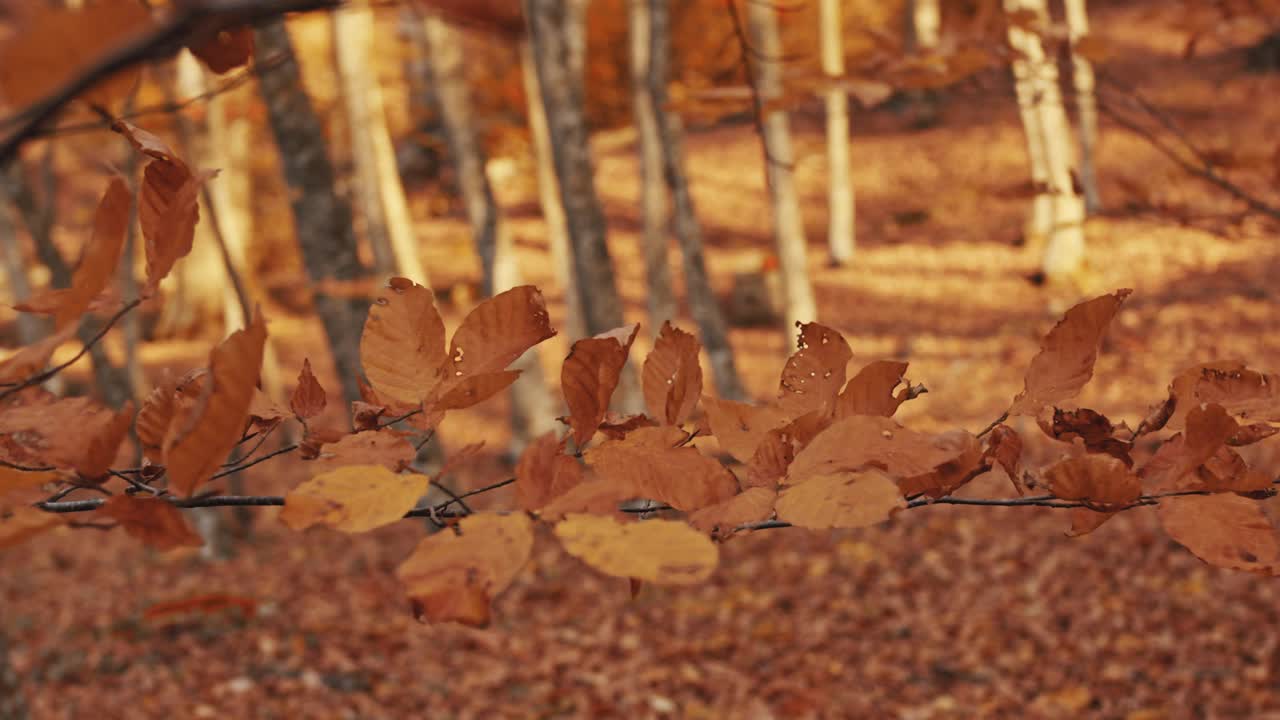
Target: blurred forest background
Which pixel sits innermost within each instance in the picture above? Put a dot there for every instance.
(935, 180)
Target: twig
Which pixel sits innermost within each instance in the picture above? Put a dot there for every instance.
(42, 376)
(1003, 416)
(238, 468)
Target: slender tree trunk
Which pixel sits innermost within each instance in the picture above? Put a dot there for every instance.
(575, 29)
(1040, 102)
(549, 195)
(653, 191)
(533, 409)
(1086, 102)
(762, 25)
(30, 327)
(383, 206)
(840, 196)
(925, 25)
(702, 299)
(322, 219)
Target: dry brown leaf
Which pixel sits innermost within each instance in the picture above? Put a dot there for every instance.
(1096, 479)
(13, 480)
(31, 359)
(814, 374)
(353, 498)
(1004, 447)
(772, 458)
(152, 520)
(371, 447)
(20, 523)
(308, 398)
(1250, 434)
(739, 427)
(870, 392)
(600, 496)
(1225, 530)
(1067, 354)
(474, 390)
(57, 43)
(967, 463)
(453, 577)
(154, 417)
(545, 473)
(682, 477)
(497, 332)
(168, 210)
(1171, 468)
(1244, 393)
(751, 505)
(672, 377)
(1227, 471)
(1090, 427)
(226, 50)
(199, 440)
(663, 552)
(103, 443)
(402, 347)
(841, 499)
(864, 441)
(41, 428)
(589, 376)
(1086, 520)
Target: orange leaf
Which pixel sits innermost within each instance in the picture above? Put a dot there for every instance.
(772, 458)
(863, 440)
(751, 505)
(663, 552)
(354, 498)
(475, 389)
(1089, 426)
(497, 332)
(1240, 391)
(154, 417)
(1171, 468)
(41, 428)
(199, 440)
(55, 44)
(1224, 530)
(672, 377)
(681, 477)
(308, 397)
(452, 577)
(870, 392)
(152, 520)
(12, 479)
(23, 522)
(544, 473)
(402, 347)
(967, 463)
(1004, 446)
(372, 447)
(226, 50)
(103, 444)
(589, 376)
(842, 499)
(31, 359)
(168, 210)
(739, 427)
(1097, 479)
(814, 375)
(600, 496)
(1067, 354)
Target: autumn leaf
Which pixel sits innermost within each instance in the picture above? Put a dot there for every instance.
(402, 348)
(663, 552)
(1086, 520)
(598, 496)
(199, 440)
(226, 50)
(497, 332)
(863, 440)
(1067, 354)
(740, 427)
(154, 417)
(23, 522)
(1227, 471)
(814, 374)
(152, 520)
(841, 499)
(870, 392)
(770, 462)
(103, 444)
(1207, 429)
(475, 389)
(1004, 447)
(265, 413)
(31, 359)
(354, 498)
(1090, 427)
(453, 577)
(1242, 392)
(680, 476)
(40, 428)
(966, 463)
(56, 43)
(1099, 480)
(12, 479)
(371, 447)
(544, 472)
(672, 377)
(589, 376)
(751, 505)
(308, 397)
(1225, 530)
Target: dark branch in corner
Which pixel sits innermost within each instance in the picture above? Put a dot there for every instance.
(194, 19)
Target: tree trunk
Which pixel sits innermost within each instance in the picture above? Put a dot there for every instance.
(550, 27)
(549, 195)
(840, 196)
(1040, 103)
(30, 327)
(653, 191)
(1086, 102)
(383, 207)
(762, 24)
(322, 219)
(702, 299)
(925, 25)
(533, 409)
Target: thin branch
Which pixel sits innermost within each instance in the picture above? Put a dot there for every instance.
(1003, 416)
(245, 466)
(43, 376)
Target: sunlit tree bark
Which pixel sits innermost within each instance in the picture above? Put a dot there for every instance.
(653, 190)
(1086, 102)
(380, 192)
(322, 219)
(840, 196)
(762, 25)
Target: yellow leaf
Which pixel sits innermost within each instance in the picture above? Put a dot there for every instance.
(356, 498)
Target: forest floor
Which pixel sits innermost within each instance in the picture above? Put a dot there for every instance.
(941, 613)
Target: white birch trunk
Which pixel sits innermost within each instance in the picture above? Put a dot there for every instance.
(660, 299)
(926, 24)
(762, 25)
(383, 206)
(1086, 102)
(840, 193)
